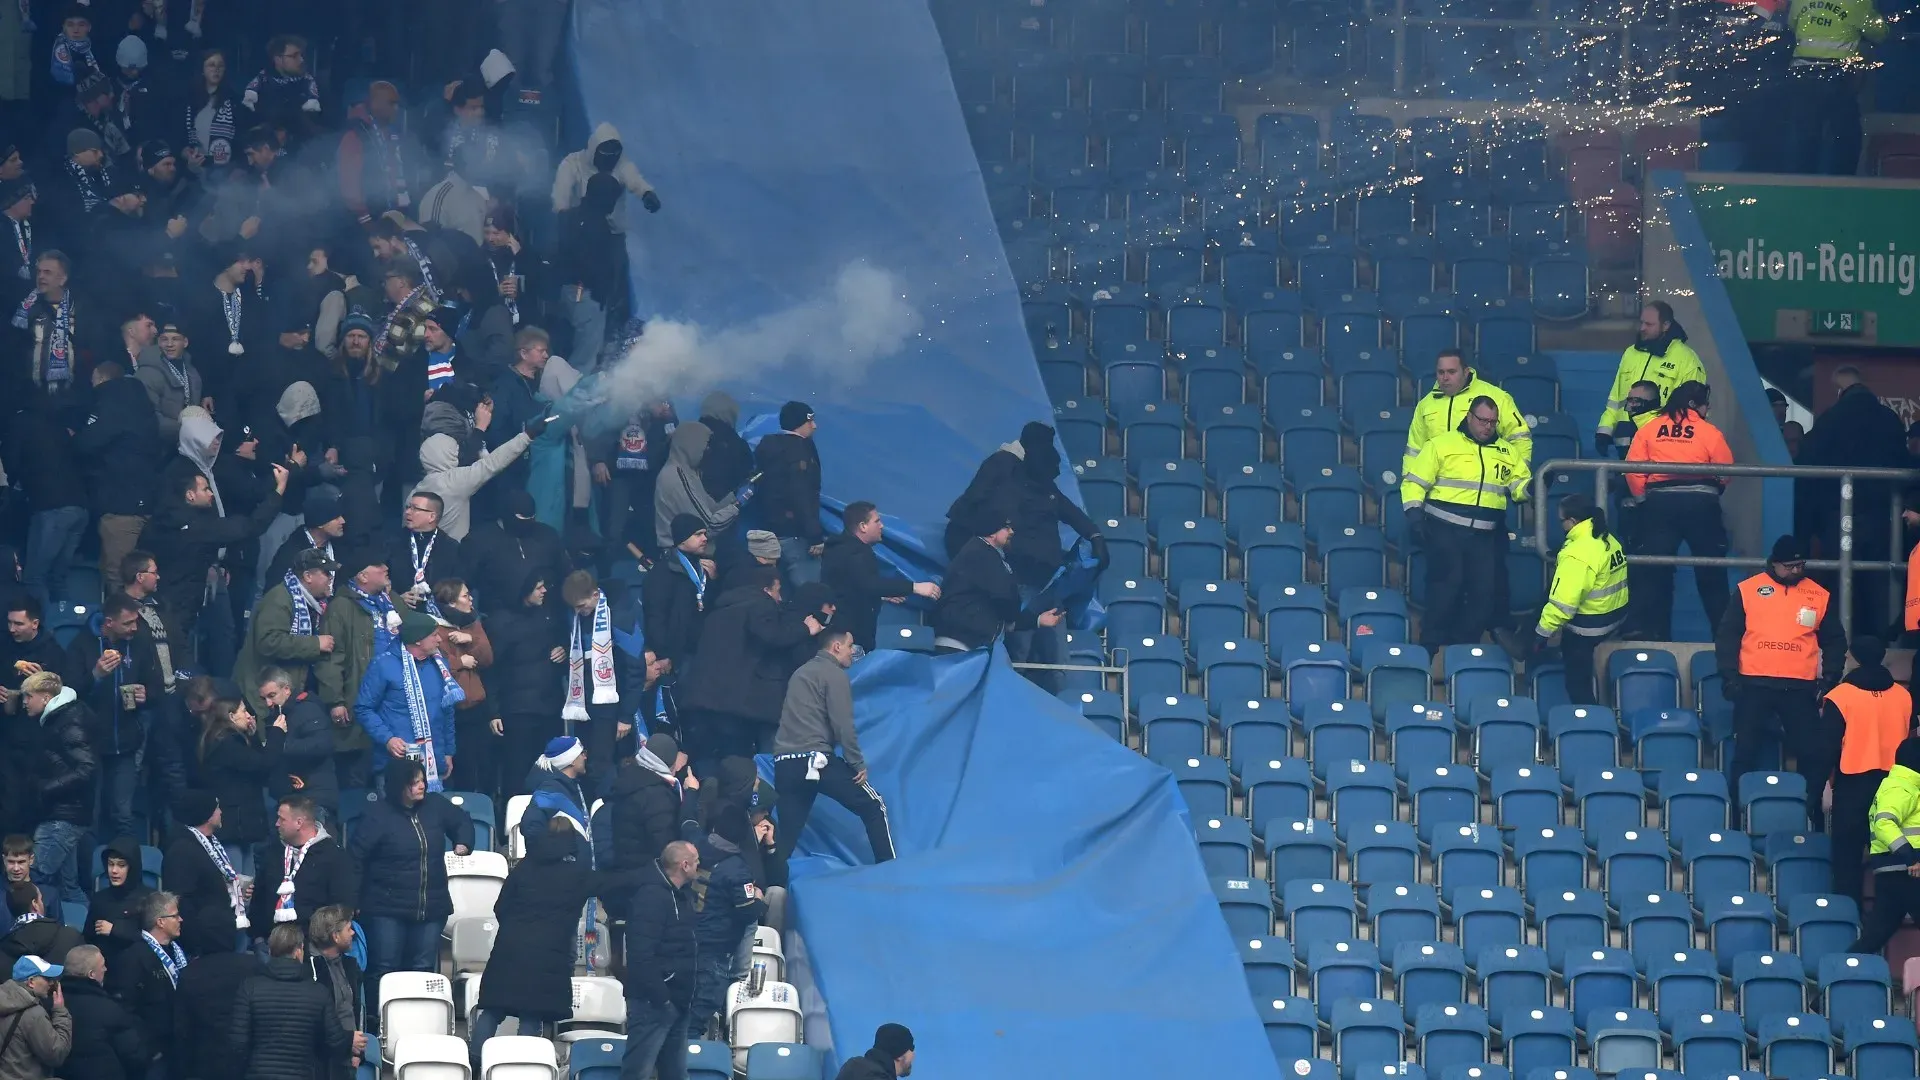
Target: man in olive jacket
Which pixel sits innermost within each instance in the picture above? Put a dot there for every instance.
(283, 636)
(363, 598)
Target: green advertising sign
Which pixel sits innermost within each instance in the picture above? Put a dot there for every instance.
(1795, 253)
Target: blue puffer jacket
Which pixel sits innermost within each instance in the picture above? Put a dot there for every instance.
(727, 903)
(399, 854)
(381, 708)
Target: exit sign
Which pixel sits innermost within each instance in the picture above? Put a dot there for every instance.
(1836, 323)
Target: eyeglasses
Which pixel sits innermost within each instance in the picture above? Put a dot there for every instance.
(171, 915)
(420, 509)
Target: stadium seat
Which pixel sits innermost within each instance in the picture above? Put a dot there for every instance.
(1571, 921)
(1506, 731)
(1354, 561)
(1253, 497)
(1468, 857)
(480, 808)
(429, 1056)
(1712, 1043)
(1204, 785)
(1796, 1047)
(1623, 1042)
(1665, 739)
(1269, 966)
(783, 1061)
(1657, 923)
(1476, 671)
(1772, 802)
(1719, 865)
(1854, 985)
(1398, 677)
(1551, 861)
(518, 1057)
(1383, 853)
(1318, 911)
(1445, 797)
(600, 1059)
(1136, 607)
(1276, 554)
(1539, 1038)
(1526, 796)
(1341, 969)
(1737, 924)
(1599, 980)
(1402, 913)
(1419, 735)
(1247, 905)
(474, 881)
(1156, 667)
(1361, 792)
(1451, 1034)
(1293, 1030)
(1488, 919)
(1684, 983)
(1367, 1033)
(1232, 670)
(1878, 1045)
(1611, 801)
(1693, 804)
(1316, 673)
(1193, 548)
(1278, 789)
(1822, 926)
(1634, 866)
(1643, 679)
(414, 1004)
(1429, 973)
(1768, 984)
(1583, 737)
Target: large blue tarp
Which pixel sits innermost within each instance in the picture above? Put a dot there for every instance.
(1047, 916)
(788, 140)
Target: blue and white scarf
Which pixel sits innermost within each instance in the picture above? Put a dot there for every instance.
(512, 306)
(172, 956)
(218, 853)
(93, 191)
(426, 265)
(699, 578)
(306, 608)
(386, 621)
(59, 344)
(590, 659)
(422, 719)
(29, 917)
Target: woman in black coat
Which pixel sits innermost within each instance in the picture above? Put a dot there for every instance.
(398, 851)
(538, 912)
(644, 810)
(114, 917)
(527, 682)
(234, 764)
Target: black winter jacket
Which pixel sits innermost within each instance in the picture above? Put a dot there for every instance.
(120, 445)
(139, 983)
(120, 730)
(728, 904)
(41, 459)
(44, 937)
(186, 540)
(538, 910)
(443, 563)
(235, 768)
(979, 598)
(524, 679)
(284, 1026)
(742, 669)
(500, 555)
(306, 751)
(206, 912)
(671, 609)
(107, 1041)
(1017, 483)
(860, 584)
(67, 769)
(789, 488)
(209, 992)
(397, 855)
(872, 1065)
(119, 906)
(661, 947)
(325, 877)
(645, 814)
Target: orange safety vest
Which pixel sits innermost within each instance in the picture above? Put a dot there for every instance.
(1913, 588)
(1690, 439)
(1782, 640)
(1877, 720)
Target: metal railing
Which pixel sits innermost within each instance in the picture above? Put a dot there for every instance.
(1126, 687)
(1846, 564)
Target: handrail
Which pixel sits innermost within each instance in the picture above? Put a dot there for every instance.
(1846, 564)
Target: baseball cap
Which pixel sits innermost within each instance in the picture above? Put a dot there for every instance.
(28, 966)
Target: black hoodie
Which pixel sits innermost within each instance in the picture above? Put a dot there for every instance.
(1016, 484)
(119, 905)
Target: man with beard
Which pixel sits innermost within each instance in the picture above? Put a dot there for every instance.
(58, 342)
(1660, 355)
(171, 380)
(172, 192)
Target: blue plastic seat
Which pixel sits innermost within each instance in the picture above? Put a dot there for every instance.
(1599, 980)
(1665, 739)
(1366, 1033)
(1738, 923)
(1486, 918)
(1293, 1030)
(1633, 866)
(1204, 784)
(1611, 801)
(1252, 497)
(1226, 845)
(1360, 792)
(1151, 433)
(1156, 666)
(784, 1061)
(1339, 734)
(1506, 731)
(1711, 1043)
(1796, 1047)
(1246, 904)
(1773, 802)
(1539, 1038)
(1451, 1034)
(1297, 850)
(1445, 797)
(1233, 670)
(1623, 1042)
(1403, 913)
(1878, 1045)
(1271, 325)
(1852, 984)
(1279, 788)
(1693, 804)
(1468, 857)
(1476, 671)
(1719, 865)
(1398, 676)
(1192, 547)
(1657, 924)
(1800, 865)
(1766, 985)
(1318, 910)
(1685, 984)
(1383, 853)
(1212, 612)
(1527, 797)
(1644, 679)
(600, 1059)
(1175, 726)
(1571, 921)
(1354, 560)
(1102, 708)
(1341, 969)
(1276, 553)
(1512, 979)
(1558, 287)
(1230, 438)
(1268, 962)
(1551, 861)
(1332, 497)
(1136, 607)
(1316, 674)
(1822, 926)
(1429, 973)
(1135, 374)
(1584, 737)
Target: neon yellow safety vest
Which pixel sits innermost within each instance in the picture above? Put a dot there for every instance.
(1463, 482)
(1831, 30)
(1589, 578)
(1677, 365)
(1438, 413)
(1896, 813)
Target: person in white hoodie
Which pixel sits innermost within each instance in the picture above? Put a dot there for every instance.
(605, 153)
(455, 483)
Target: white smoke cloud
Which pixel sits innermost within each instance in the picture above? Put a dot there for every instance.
(864, 318)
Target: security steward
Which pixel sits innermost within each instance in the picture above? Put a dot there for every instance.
(1678, 510)
(1455, 386)
(1587, 601)
(1894, 857)
(1661, 356)
(1822, 103)
(1868, 716)
(1779, 642)
(1455, 496)
(1642, 406)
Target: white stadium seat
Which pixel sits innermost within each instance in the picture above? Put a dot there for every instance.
(475, 882)
(429, 1057)
(414, 1003)
(518, 1057)
(599, 1009)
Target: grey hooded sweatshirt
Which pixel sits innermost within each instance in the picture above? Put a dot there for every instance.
(679, 490)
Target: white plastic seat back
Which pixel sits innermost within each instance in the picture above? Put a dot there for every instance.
(772, 1015)
(767, 939)
(516, 844)
(469, 994)
(599, 1009)
(474, 881)
(414, 1003)
(775, 964)
(422, 1056)
(518, 1057)
(472, 939)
